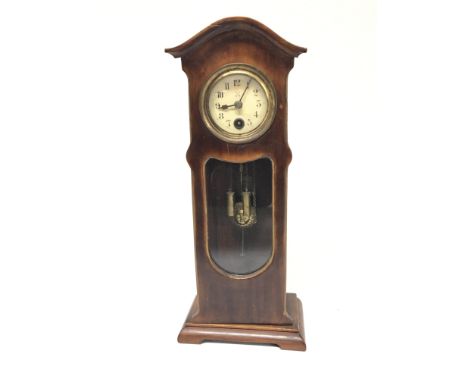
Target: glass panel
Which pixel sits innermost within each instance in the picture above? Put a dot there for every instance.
(239, 214)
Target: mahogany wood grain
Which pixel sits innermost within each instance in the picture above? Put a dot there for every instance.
(287, 337)
(258, 301)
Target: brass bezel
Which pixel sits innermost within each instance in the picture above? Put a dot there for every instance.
(267, 87)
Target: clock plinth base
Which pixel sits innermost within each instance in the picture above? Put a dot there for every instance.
(286, 337)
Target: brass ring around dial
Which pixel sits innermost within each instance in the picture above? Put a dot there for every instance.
(238, 136)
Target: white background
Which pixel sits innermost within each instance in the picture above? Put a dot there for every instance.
(96, 249)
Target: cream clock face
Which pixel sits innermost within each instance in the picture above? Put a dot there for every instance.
(238, 103)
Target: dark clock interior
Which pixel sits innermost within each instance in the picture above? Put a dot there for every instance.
(239, 200)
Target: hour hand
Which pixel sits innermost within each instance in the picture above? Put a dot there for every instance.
(224, 107)
(237, 105)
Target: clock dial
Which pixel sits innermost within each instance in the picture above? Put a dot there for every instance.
(238, 103)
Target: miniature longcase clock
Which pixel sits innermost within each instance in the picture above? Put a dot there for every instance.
(237, 70)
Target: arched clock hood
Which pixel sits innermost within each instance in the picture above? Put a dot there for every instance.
(237, 28)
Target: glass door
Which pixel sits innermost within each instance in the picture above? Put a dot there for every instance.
(239, 197)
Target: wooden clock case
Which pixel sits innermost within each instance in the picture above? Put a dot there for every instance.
(253, 308)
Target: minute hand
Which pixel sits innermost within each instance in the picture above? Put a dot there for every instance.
(242, 96)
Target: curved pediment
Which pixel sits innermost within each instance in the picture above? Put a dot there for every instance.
(233, 24)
